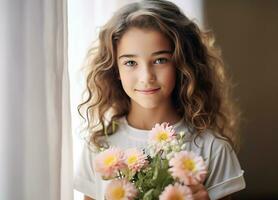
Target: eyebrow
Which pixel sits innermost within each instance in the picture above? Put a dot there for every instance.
(153, 54)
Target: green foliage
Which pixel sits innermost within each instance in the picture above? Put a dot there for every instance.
(152, 180)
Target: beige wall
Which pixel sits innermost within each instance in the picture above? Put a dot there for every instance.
(247, 32)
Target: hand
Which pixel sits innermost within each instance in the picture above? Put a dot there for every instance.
(199, 192)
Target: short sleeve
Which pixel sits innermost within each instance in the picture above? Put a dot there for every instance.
(224, 172)
(85, 179)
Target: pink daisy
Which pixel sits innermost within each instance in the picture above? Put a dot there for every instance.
(188, 167)
(135, 159)
(109, 162)
(161, 133)
(176, 192)
(120, 189)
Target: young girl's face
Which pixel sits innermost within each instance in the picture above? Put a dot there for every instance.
(147, 73)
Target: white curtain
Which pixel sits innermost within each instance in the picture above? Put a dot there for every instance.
(35, 122)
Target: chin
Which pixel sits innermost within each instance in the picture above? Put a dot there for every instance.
(148, 105)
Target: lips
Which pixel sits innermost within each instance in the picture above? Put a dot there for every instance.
(148, 91)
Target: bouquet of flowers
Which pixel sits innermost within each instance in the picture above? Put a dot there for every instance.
(162, 171)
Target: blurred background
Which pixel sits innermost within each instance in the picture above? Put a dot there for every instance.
(247, 33)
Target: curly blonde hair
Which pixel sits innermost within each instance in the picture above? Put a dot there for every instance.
(202, 93)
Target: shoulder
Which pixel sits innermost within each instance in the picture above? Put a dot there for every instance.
(216, 143)
(209, 144)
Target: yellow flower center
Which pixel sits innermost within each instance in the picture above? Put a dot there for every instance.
(132, 159)
(110, 160)
(162, 136)
(118, 193)
(189, 164)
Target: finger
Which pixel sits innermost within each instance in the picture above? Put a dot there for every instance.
(192, 181)
(201, 194)
(195, 188)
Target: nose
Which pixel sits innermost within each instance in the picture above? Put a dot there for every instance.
(147, 74)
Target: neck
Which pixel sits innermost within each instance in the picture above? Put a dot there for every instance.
(146, 118)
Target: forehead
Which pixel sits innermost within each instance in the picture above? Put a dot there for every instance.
(142, 42)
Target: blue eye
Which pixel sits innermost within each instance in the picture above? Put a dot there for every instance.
(161, 61)
(130, 63)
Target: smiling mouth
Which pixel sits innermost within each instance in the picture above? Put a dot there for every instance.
(148, 91)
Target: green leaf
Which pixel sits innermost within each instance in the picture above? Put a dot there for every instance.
(148, 195)
(155, 174)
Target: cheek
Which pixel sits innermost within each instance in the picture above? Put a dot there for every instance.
(127, 80)
(169, 78)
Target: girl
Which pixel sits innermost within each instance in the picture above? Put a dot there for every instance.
(154, 65)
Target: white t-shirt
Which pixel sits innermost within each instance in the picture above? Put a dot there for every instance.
(224, 172)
